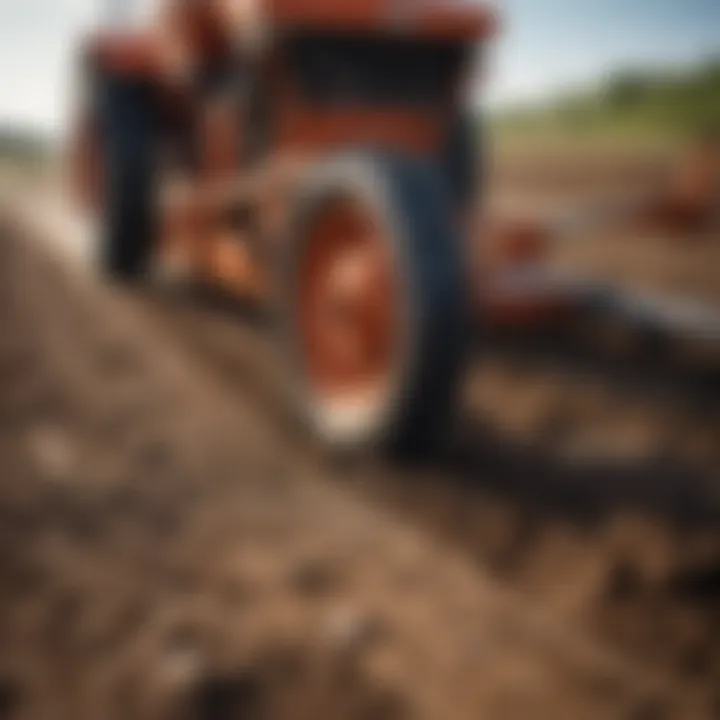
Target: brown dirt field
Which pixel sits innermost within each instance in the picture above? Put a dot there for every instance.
(171, 547)
(541, 184)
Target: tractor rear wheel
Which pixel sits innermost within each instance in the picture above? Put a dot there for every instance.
(462, 162)
(374, 310)
(127, 149)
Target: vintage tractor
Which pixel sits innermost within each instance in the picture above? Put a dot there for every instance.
(316, 156)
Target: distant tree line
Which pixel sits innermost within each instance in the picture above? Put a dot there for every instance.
(22, 145)
(679, 103)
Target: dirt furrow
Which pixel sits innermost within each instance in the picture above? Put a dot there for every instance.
(163, 552)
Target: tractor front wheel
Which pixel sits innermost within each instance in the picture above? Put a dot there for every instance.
(375, 316)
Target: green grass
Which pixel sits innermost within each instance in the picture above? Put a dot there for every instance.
(640, 109)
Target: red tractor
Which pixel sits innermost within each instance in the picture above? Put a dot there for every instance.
(316, 156)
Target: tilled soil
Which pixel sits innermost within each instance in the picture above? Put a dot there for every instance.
(594, 496)
(169, 547)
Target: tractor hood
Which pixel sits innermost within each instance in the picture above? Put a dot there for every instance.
(448, 19)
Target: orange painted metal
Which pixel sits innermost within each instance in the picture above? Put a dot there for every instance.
(305, 129)
(510, 293)
(135, 55)
(221, 137)
(449, 18)
(233, 266)
(191, 37)
(201, 29)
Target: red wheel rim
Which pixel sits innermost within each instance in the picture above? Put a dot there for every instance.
(348, 306)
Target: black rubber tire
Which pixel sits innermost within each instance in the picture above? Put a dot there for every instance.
(411, 199)
(462, 161)
(129, 209)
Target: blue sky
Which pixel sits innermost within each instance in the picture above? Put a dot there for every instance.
(550, 44)
(546, 45)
